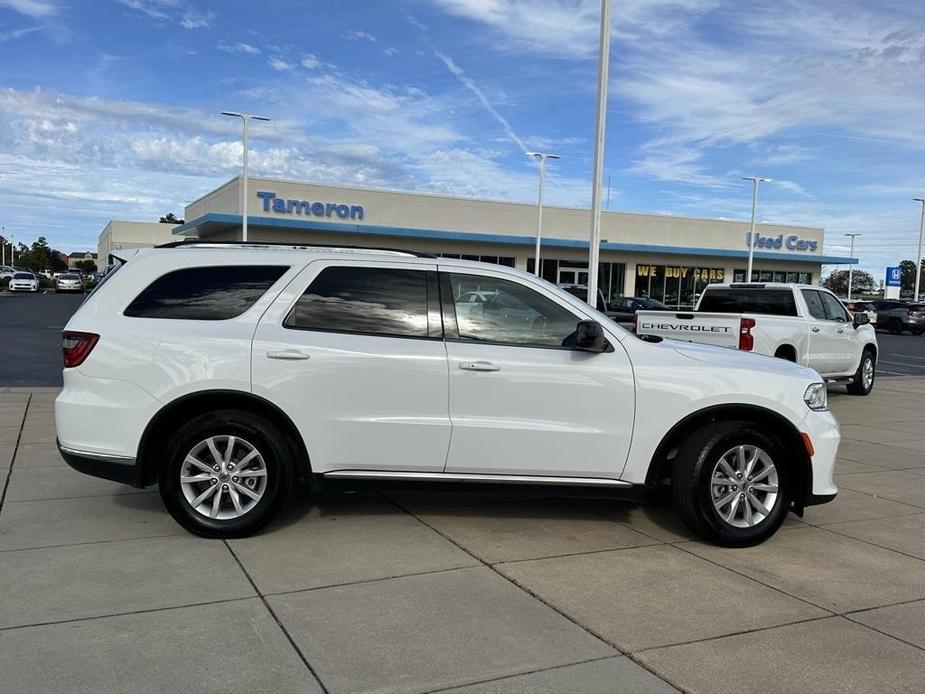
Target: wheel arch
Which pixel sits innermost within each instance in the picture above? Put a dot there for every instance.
(660, 466)
(789, 350)
(180, 410)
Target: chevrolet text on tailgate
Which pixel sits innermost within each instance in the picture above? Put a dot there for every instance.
(804, 324)
(230, 374)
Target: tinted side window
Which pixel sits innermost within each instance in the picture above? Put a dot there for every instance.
(833, 308)
(773, 302)
(510, 314)
(376, 301)
(814, 303)
(205, 293)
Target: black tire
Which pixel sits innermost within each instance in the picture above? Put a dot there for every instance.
(786, 353)
(693, 476)
(249, 429)
(895, 326)
(858, 386)
(917, 331)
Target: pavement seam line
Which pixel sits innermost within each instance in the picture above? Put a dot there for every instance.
(522, 674)
(9, 472)
(755, 580)
(874, 544)
(533, 595)
(84, 544)
(276, 619)
(148, 610)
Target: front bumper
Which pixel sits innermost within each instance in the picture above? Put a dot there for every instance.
(108, 467)
(824, 432)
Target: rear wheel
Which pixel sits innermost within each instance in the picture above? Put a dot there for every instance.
(863, 381)
(731, 484)
(227, 474)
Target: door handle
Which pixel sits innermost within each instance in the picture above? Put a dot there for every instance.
(840, 330)
(289, 354)
(815, 329)
(478, 366)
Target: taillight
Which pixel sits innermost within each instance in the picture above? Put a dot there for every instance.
(911, 313)
(746, 339)
(77, 347)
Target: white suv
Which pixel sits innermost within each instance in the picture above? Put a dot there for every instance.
(227, 373)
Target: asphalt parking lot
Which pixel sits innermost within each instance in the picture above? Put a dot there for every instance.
(422, 592)
(31, 327)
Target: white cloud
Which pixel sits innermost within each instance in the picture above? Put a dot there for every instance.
(279, 64)
(37, 9)
(354, 35)
(17, 33)
(172, 11)
(310, 62)
(238, 47)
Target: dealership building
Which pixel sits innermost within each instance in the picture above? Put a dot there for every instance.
(665, 257)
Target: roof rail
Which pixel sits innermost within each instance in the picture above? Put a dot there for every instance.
(193, 243)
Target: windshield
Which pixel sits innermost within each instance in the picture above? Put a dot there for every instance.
(23, 276)
(653, 304)
(70, 276)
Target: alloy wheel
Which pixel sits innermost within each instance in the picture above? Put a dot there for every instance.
(744, 486)
(223, 477)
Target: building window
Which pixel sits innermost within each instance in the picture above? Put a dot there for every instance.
(678, 286)
(574, 273)
(506, 261)
(774, 276)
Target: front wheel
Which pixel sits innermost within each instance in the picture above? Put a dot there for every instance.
(731, 484)
(227, 474)
(863, 381)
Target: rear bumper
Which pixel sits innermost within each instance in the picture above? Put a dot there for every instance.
(108, 467)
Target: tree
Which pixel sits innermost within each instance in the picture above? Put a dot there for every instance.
(170, 218)
(40, 256)
(907, 267)
(861, 283)
(86, 266)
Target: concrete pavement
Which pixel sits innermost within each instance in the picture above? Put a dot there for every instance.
(417, 592)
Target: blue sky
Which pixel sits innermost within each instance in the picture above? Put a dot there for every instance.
(109, 108)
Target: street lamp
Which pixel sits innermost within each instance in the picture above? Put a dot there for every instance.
(245, 118)
(603, 66)
(918, 258)
(751, 238)
(542, 157)
(851, 266)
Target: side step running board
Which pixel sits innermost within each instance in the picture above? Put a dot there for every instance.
(474, 478)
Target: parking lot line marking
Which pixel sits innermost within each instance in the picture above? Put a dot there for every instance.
(907, 356)
(893, 373)
(902, 363)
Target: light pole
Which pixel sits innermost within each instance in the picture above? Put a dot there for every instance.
(751, 237)
(603, 67)
(542, 157)
(851, 266)
(245, 118)
(918, 257)
(3, 245)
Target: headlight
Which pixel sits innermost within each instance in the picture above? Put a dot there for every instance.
(816, 397)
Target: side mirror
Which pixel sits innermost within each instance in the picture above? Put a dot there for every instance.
(589, 337)
(861, 319)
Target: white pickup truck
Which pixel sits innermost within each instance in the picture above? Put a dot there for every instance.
(803, 324)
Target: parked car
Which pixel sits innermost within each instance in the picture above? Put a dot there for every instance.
(24, 282)
(224, 373)
(864, 307)
(624, 310)
(69, 282)
(6, 273)
(900, 316)
(803, 324)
